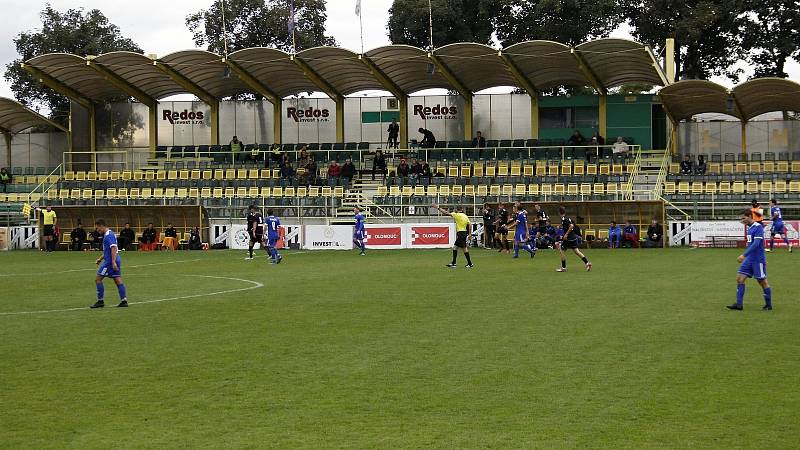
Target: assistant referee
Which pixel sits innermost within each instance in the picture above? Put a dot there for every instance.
(462, 227)
(49, 220)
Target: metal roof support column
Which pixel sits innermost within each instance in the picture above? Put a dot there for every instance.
(459, 86)
(152, 124)
(672, 127)
(7, 137)
(261, 89)
(587, 72)
(329, 90)
(529, 87)
(93, 135)
(602, 115)
(399, 94)
(204, 96)
(743, 122)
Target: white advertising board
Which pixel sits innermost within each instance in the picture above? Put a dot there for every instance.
(328, 237)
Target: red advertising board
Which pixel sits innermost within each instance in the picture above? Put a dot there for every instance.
(384, 236)
(432, 235)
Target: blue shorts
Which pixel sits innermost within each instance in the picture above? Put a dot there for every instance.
(358, 235)
(519, 236)
(614, 236)
(778, 229)
(105, 270)
(272, 241)
(753, 269)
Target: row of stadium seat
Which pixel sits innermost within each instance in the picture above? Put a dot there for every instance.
(734, 157)
(515, 168)
(201, 193)
(201, 150)
(506, 190)
(736, 188)
(745, 167)
(520, 153)
(411, 181)
(21, 170)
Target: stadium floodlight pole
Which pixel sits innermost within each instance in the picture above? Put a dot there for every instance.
(430, 22)
(224, 31)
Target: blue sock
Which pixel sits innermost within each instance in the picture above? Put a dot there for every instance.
(277, 255)
(272, 253)
(516, 250)
(768, 296)
(740, 294)
(121, 289)
(101, 290)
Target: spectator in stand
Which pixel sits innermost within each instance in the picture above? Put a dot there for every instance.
(303, 156)
(686, 166)
(287, 171)
(310, 177)
(597, 139)
(630, 234)
(275, 156)
(620, 147)
(148, 238)
(170, 238)
(348, 170)
(255, 154)
(126, 237)
(478, 141)
(5, 178)
(97, 240)
(654, 233)
(78, 237)
(416, 170)
(378, 164)
(394, 131)
(334, 170)
(614, 235)
(195, 241)
(576, 139)
(428, 139)
(236, 149)
(426, 171)
(403, 170)
(701, 165)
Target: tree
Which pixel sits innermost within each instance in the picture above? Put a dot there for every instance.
(453, 21)
(570, 22)
(771, 34)
(260, 23)
(707, 33)
(71, 31)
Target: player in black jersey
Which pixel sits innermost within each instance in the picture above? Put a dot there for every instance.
(488, 226)
(501, 225)
(569, 241)
(541, 219)
(255, 222)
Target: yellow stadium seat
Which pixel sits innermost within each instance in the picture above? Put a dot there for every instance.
(740, 167)
(520, 190)
(147, 193)
(276, 173)
(90, 176)
(591, 169)
(230, 174)
(466, 170)
(99, 194)
(469, 190)
(80, 176)
(494, 190)
(711, 187)
(252, 174)
(713, 168)
(241, 192)
(552, 170)
(452, 171)
(338, 192)
(172, 175)
(724, 187)
(161, 175)
(483, 190)
(229, 192)
(302, 192)
(612, 188)
(795, 167)
(533, 190)
(751, 187)
(541, 169)
(241, 174)
(444, 190)
(194, 174)
(546, 189)
(491, 170)
(86, 194)
(516, 169)
(669, 187)
(586, 189)
(277, 192)
(289, 191)
(127, 175)
(738, 187)
(75, 194)
(754, 167)
(158, 192)
(528, 170)
(696, 188)
(616, 169)
(502, 169)
(457, 190)
(477, 169)
(266, 192)
(566, 168)
(578, 168)
(207, 174)
(508, 190)
(171, 192)
(194, 192)
(766, 187)
(122, 193)
(205, 192)
(683, 188)
(382, 191)
(150, 175)
(768, 166)
(135, 193)
(313, 191)
(558, 189)
(605, 169)
(419, 190)
(265, 174)
(572, 189)
(138, 175)
(252, 192)
(794, 187)
(69, 176)
(599, 189)
(782, 166)
(779, 187)
(674, 168)
(727, 168)
(114, 175)
(394, 191)
(433, 190)
(217, 192)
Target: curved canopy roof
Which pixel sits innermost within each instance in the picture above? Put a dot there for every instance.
(764, 95)
(476, 66)
(207, 71)
(686, 98)
(408, 67)
(546, 64)
(73, 72)
(618, 61)
(341, 68)
(274, 69)
(16, 117)
(139, 71)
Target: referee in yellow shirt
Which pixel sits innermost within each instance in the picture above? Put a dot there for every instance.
(49, 220)
(462, 232)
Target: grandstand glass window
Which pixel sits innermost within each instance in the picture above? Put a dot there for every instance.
(569, 117)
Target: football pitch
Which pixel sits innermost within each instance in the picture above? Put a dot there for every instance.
(394, 350)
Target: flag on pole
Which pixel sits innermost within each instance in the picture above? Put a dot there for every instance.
(358, 7)
(26, 210)
(291, 16)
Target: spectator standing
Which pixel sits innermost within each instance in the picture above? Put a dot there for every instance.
(348, 170)
(701, 165)
(170, 238)
(148, 238)
(378, 164)
(576, 139)
(195, 242)
(629, 234)
(654, 233)
(394, 131)
(614, 235)
(478, 141)
(686, 166)
(488, 226)
(78, 237)
(428, 139)
(126, 237)
(50, 221)
(5, 178)
(236, 148)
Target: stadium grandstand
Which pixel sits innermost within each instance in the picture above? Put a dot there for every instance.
(127, 146)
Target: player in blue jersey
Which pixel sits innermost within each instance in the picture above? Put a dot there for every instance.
(520, 225)
(273, 236)
(754, 263)
(358, 231)
(778, 227)
(109, 265)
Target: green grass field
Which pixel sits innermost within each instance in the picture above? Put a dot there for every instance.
(393, 350)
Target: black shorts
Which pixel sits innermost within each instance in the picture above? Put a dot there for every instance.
(49, 231)
(489, 228)
(258, 236)
(569, 243)
(461, 239)
(502, 230)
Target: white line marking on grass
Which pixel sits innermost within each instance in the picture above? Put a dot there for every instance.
(95, 269)
(253, 285)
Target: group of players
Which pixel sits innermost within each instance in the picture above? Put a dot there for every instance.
(267, 238)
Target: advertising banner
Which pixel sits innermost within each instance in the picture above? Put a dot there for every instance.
(238, 237)
(290, 237)
(23, 237)
(3, 238)
(430, 235)
(384, 236)
(328, 237)
(705, 233)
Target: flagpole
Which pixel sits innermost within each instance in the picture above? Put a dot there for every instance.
(361, 25)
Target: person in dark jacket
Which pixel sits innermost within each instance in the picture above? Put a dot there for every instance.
(195, 241)
(126, 237)
(654, 234)
(478, 141)
(348, 170)
(78, 237)
(378, 164)
(576, 139)
(148, 238)
(428, 139)
(394, 131)
(403, 170)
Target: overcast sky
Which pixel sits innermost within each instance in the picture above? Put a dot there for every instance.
(158, 26)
